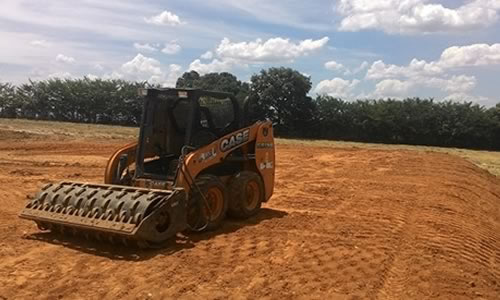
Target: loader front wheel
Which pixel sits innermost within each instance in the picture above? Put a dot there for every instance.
(246, 192)
(207, 210)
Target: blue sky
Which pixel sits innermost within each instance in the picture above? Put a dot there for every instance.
(351, 49)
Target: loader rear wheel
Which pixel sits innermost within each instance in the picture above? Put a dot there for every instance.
(246, 191)
(207, 210)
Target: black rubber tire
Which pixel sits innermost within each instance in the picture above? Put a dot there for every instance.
(238, 194)
(197, 212)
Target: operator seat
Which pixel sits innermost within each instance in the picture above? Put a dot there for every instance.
(204, 131)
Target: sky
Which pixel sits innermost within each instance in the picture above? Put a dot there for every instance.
(356, 49)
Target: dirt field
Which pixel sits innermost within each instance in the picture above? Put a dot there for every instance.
(343, 224)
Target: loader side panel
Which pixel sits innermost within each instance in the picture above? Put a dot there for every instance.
(265, 157)
(214, 153)
(244, 139)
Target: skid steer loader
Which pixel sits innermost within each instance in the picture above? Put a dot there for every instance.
(198, 157)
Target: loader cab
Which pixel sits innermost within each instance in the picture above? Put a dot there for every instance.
(174, 118)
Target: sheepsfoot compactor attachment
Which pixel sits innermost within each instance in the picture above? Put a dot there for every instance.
(199, 157)
(127, 215)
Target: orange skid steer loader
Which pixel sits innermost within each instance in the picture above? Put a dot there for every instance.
(198, 157)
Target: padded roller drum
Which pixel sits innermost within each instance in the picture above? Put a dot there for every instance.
(109, 212)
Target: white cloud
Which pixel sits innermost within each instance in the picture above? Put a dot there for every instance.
(144, 47)
(379, 69)
(401, 81)
(169, 78)
(361, 67)
(457, 88)
(141, 65)
(65, 59)
(451, 58)
(415, 16)
(338, 67)
(142, 68)
(171, 48)
(92, 76)
(98, 67)
(273, 50)
(164, 18)
(471, 55)
(60, 75)
(400, 88)
(393, 88)
(334, 66)
(113, 75)
(460, 97)
(455, 84)
(37, 73)
(228, 55)
(215, 65)
(337, 87)
(207, 55)
(40, 43)
(435, 74)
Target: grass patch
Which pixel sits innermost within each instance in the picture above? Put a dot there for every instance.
(69, 130)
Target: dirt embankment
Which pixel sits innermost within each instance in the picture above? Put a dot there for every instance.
(343, 223)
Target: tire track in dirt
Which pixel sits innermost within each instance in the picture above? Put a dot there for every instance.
(463, 244)
(395, 278)
(343, 224)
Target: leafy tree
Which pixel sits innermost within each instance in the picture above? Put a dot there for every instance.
(333, 118)
(76, 100)
(282, 95)
(279, 94)
(495, 116)
(188, 80)
(223, 82)
(8, 103)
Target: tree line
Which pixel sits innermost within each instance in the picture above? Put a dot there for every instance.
(278, 94)
(73, 100)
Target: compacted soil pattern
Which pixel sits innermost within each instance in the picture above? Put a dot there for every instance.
(344, 223)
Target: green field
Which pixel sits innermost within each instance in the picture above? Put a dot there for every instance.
(489, 160)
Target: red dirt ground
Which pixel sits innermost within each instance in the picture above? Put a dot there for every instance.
(342, 224)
